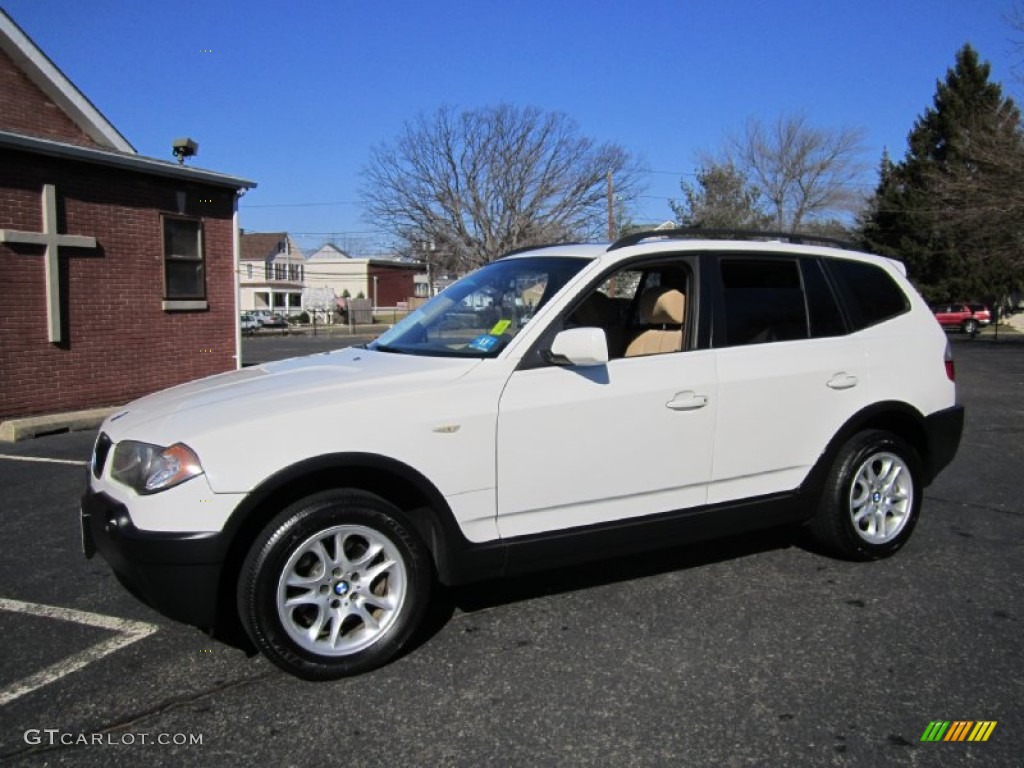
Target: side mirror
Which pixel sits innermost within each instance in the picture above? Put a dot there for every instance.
(579, 346)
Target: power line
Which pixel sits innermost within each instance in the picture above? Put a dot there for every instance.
(302, 205)
(335, 233)
(695, 174)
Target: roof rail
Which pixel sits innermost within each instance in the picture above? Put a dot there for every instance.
(799, 238)
(525, 248)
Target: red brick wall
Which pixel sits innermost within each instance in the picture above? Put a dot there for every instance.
(121, 343)
(26, 109)
(394, 284)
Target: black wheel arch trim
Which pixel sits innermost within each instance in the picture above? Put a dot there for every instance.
(935, 437)
(453, 555)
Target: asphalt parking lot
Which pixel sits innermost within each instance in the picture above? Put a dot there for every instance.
(755, 651)
(264, 347)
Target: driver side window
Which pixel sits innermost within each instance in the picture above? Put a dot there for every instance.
(642, 310)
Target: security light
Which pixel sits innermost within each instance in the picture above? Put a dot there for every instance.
(183, 148)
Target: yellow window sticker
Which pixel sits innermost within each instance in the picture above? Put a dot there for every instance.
(500, 327)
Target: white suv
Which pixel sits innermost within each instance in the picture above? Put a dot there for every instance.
(561, 404)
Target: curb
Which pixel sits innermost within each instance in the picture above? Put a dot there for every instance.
(15, 430)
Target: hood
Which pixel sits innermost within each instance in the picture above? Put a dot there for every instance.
(327, 379)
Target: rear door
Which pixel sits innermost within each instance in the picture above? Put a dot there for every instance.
(788, 375)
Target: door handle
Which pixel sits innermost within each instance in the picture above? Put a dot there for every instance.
(687, 401)
(843, 380)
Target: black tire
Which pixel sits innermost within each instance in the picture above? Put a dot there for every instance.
(971, 327)
(363, 576)
(854, 490)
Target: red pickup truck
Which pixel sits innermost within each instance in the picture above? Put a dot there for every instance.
(968, 318)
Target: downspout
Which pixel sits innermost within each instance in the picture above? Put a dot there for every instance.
(236, 247)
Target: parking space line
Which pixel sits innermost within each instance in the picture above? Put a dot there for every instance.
(73, 462)
(128, 632)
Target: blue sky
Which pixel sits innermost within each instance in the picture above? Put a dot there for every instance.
(294, 94)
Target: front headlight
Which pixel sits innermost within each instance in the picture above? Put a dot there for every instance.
(153, 468)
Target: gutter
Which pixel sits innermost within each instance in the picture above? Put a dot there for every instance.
(139, 163)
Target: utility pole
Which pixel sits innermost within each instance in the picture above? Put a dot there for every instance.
(611, 209)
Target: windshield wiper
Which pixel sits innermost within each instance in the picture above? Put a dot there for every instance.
(386, 348)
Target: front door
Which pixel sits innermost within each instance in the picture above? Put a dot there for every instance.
(585, 445)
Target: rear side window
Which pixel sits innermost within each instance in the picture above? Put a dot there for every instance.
(763, 301)
(870, 295)
(822, 306)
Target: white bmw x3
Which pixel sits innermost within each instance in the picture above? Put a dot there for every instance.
(561, 404)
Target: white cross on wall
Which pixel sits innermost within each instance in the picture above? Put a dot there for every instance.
(51, 242)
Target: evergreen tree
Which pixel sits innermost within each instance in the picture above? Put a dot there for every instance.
(721, 199)
(943, 208)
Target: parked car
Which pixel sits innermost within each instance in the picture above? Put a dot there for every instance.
(275, 321)
(249, 323)
(981, 313)
(960, 316)
(657, 391)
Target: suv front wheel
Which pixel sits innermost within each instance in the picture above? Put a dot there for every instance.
(871, 499)
(335, 585)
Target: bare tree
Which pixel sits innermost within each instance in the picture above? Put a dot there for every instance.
(470, 186)
(356, 246)
(1014, 17)
(802, 172)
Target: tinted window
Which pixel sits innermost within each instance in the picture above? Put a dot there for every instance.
(763, 301)
(869, 293)
(826, 317)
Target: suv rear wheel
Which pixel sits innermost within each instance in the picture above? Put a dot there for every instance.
(335, 585)
(871, 501)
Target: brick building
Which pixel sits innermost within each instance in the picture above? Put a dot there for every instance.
(117, 271)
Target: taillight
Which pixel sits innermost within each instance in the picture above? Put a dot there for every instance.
(950, 365)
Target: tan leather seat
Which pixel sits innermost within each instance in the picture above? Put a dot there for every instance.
(665, 307)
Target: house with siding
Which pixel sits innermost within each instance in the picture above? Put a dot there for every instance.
(386, 282)
(271, 273)
(117, 270)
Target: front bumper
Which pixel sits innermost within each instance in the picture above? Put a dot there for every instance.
(177, 573)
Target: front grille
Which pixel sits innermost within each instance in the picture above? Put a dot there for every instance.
(99, 454)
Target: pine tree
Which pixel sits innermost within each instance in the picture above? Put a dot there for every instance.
(943, 208)
(721, 199)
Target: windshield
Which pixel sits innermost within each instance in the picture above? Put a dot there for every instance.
(478, 315)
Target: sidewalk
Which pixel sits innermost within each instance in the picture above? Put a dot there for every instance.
(1011, 331)
(27, 427)
(1015, 322)
(329, 329)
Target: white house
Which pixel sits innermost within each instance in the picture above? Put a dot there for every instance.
(386, 282)
(272, 273)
